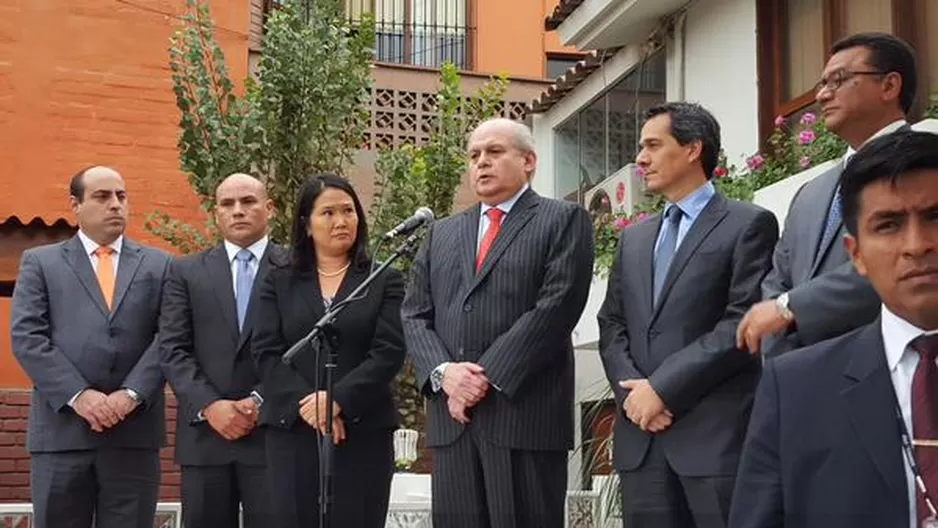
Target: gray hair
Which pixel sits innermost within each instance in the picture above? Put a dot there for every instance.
(524, 139)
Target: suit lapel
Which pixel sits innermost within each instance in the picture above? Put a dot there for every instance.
(870, 400)
(645, 238)
(127, 266)
(74, 255)
(521, 213)
(307, 285)
(218, 269)
(827, 186)
(712, 214)
(468, 242)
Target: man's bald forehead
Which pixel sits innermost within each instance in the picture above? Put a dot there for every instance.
(240, 179)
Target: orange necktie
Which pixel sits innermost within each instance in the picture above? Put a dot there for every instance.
(495, 225)
(105, 273)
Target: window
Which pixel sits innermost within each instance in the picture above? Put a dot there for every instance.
(603, 137)
(419, 32)
(558, 65)
(795, 36)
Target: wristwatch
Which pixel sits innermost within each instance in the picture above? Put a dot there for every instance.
(781, 303)
(133, 395)
(258, 399)
(436, 377)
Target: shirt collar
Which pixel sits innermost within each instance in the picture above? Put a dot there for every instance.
(694, 203)
(257, 249)
(508, 204)
(91, 246)
(897, 334)
(888, 129)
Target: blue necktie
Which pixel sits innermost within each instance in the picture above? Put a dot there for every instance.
(243, 283)
(667, 247)
(834, 219)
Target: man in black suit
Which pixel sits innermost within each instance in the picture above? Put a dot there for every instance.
(678, 287)
(205, 329)
(495, 293)
(812, 292)
(824, 448)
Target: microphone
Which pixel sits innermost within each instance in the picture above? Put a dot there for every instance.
(420, 217)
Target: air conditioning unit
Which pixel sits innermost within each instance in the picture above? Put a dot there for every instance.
(619, 193)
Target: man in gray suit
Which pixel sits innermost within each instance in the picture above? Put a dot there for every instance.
(678, 287)
(813, 292)
(495, 293)
(84, 328)
(205, 331)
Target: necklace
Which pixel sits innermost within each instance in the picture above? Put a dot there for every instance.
(333, 273)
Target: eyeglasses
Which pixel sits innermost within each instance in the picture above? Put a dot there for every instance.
(839, 77)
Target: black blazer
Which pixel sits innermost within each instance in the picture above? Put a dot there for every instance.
(204, 355)
(370, 347)
(823, 448)
(686, 345)
(514, 319)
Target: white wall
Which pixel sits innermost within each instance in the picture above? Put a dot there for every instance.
(720, 70)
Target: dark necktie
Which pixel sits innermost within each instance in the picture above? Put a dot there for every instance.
(925, 415)
(667, 247)
(495, 226)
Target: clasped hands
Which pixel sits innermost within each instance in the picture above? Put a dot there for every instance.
(103, 411)
(644, 407)
(232, 419)
(465, 384)
(313, 412)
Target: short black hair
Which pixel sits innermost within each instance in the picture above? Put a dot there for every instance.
(303, 252)
(888, 53)
(888, 157)
(76, 186)
(691, 122)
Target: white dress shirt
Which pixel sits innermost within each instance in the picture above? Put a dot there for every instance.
(902, 361)
(257, 249)
(505, 208)
(91, 246)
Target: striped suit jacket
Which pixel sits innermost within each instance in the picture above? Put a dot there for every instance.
(514, 318)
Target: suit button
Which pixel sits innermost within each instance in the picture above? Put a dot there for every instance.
(467, 307)
(356, 420)
(283, 421)
(112, 332)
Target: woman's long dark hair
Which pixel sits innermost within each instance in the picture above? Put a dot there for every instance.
(303, 250)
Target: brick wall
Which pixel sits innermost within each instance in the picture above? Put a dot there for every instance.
(14, 460)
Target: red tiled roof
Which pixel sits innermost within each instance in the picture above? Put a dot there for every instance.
(561, 12)
(570, 80)
(14, 220)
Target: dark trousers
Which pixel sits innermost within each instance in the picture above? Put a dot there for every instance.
(363, 468)
(654, 496)
(477, 484)
(111, 488)
(213, 496)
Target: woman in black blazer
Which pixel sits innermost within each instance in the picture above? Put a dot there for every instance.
(329, 259)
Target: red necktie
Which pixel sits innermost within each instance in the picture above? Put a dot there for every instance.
(925, 416)
(495, 225)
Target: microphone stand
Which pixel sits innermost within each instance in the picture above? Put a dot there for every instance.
(325, 334)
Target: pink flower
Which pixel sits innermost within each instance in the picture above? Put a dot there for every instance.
(604, 200)
(779, 121)
(805, 162)
(806, 137)
(641, 217)
(755, 162)
(808, 119)
(621, 223)
(719, 172)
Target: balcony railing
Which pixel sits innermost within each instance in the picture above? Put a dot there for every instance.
(418, 32)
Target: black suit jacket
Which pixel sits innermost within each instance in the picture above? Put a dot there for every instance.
(823, 447)
(686, 345)
(514, 318)
(370, 347)
(204, 355)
